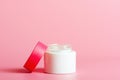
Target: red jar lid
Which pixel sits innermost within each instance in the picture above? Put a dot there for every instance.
(35, 56)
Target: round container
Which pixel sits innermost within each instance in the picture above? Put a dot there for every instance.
(60, 59)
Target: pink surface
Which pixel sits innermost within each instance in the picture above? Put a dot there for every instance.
(92, 27)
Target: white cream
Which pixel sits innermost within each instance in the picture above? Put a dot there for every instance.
(60, 59)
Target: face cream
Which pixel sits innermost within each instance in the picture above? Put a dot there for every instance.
(60, 59)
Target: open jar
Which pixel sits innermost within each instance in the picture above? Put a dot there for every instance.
(60, 59)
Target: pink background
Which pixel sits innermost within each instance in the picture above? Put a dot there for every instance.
(92, 27)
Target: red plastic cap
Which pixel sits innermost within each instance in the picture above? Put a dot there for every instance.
(35, 56)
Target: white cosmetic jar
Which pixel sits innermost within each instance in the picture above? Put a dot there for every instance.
(60, 59)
